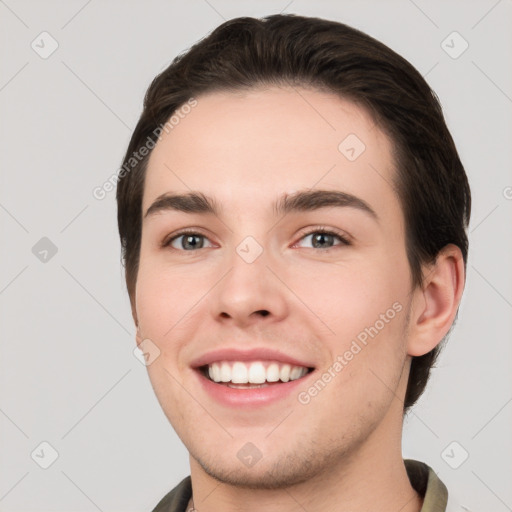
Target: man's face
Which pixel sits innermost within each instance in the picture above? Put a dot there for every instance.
(267, 287)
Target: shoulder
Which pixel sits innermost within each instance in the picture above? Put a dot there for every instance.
(176, 500)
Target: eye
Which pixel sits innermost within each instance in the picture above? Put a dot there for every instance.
(322, 238)
(186, 241)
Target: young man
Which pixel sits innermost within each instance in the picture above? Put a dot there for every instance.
(292, 212)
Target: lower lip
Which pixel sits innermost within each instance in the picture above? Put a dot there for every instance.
(249, 397)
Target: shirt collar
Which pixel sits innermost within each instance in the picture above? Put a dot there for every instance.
(428, 485)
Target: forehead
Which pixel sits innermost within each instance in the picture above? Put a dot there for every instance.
(250, 146)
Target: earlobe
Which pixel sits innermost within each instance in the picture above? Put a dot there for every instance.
(436, 302)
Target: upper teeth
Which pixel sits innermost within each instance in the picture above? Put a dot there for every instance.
(255, 372)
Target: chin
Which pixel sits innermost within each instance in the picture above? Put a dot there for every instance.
(268, 472)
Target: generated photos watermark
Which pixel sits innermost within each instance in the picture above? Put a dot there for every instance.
(356, 346)
(109, 185)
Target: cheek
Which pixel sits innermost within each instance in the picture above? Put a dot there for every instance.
(170, 309)
(351, 297)
(162, 301)
(152, 299)
(364, 307)
(163, 295)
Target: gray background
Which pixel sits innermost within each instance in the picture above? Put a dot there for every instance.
(68, 373)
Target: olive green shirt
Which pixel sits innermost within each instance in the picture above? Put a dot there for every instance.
(422, 477)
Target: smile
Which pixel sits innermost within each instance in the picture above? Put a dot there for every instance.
(251, 378)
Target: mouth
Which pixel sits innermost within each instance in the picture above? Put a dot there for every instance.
(252, 374)
(251, 378)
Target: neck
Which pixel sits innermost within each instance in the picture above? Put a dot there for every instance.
(372, 477)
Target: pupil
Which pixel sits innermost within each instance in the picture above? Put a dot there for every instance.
(321, 237)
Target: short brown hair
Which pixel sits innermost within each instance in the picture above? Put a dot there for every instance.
(294, 50)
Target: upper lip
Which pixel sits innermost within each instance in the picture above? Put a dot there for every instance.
(254, 354)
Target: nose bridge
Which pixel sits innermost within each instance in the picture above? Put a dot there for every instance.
(248, 264)
(249, 286)
(250, 249)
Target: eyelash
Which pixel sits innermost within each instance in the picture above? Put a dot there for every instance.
(320, 229)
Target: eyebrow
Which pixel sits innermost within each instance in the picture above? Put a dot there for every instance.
(301, 201)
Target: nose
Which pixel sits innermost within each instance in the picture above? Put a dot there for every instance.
(250, 293)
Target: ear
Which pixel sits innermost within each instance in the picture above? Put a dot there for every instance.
(435, 303)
